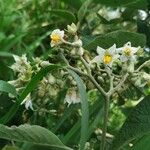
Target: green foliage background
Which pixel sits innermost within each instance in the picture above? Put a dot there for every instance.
(25, 27)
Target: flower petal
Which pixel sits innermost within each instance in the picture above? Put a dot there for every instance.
(128, 44)
(112, 49)
(96, 59)
(123, 58)
(100, 50)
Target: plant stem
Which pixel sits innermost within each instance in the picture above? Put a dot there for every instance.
(106, 111)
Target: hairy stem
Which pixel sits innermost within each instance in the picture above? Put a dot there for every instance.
(106, 111)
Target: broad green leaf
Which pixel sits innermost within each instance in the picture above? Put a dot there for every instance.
(138, 4)
(73, 3)
(30, 87)
(8, 88)
(143, 142)
(117, 37)
(136, 125)
(67, 15)
(84, 109)
(32, 134)
(7, 147)
(83, 9)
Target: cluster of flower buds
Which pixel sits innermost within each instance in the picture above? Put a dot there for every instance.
(47, 88)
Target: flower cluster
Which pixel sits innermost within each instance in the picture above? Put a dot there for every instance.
(70, 45)
(58, 37)
(127, 53)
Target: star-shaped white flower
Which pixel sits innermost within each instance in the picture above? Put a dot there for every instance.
(56, 37)
(72, 97)
(107, 57)
(128, 52)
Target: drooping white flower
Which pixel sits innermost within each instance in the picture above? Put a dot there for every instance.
(128, 52)
(72, 97)
(107, 56)
(28, 103)
(56, 37)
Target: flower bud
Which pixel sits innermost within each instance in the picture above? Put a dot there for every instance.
(140, 52)
(77, 43)
(73, 52)
(51, 79)
(100, 79)
(72, 29)
(80, 51)
(45, 63)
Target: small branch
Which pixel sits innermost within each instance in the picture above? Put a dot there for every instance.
(140, 67)
(100, 89)
(119, 85)
(84, 74)
(106, 111)
(111, 77)
(72, 68)
(77, 71)
(86, 65)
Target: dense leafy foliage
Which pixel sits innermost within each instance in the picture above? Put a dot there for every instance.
(25, 28)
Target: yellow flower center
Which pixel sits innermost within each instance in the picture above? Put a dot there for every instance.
(55, 38)
(127, 52)
(107, 58)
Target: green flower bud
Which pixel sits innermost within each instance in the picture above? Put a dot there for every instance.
(45, 63)
(72, 29)
(51, 79)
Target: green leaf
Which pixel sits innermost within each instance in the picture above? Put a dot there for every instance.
(74, 3)
(84, 109)
(117, 37)
(30, 87)
(83, 9)
(32, 47)
(137, 4)
(7, 147)
(5, 54)
(8, 88)
(143, 142)
(32, 134)
(67, 15)
(136, 125)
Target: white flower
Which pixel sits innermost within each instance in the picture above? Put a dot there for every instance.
(27, 101)
(78, 43)
(56, 37)
(21, 63)
(128, 52)
(107, 56)
(72, 28)
(72, 97)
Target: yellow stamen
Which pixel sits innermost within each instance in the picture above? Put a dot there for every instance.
(127, 52)
(107, 58)
(55, 38)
